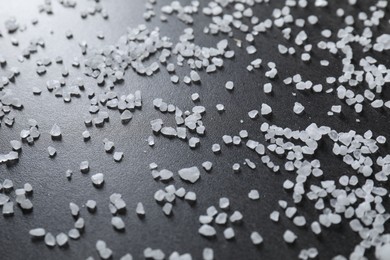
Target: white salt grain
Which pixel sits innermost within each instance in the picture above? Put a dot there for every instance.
(256, 238)
(117, 223)
(254, 195)
(289, 237)
(191, 174)
(228, 233)
(224, 203)
(61, 239)
(207, 230)
(97, 179)
(50, 240)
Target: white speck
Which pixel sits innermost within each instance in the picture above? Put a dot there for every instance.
(16, 145)
(207, 231)
(97, 179)
(208, 254)
(228, 233)
(8, 208)
(55, 131)
(236, 217)
(52, 151)
(140, 210)
(126, 116)
(8, 184)
(253, 114)
(216, 148)
(336, 109)
(289, 237)
(267, 88)
(118, 156)
(265, 109)
(274, 216)
(207, 165)
(74, 209)
(74, 233)
(220, 107)
(168, 131)
(84, 166)
(37, 232)
(191, 174)
(195, 97)
(236, 167)
(167, 209)
(224, 203)
(50, 240)
(91, 205)
(194, 142)
(61, 239)
(256, 238)
(382, 252)
(86, 135)
(180, 192)
(117, 223)
(254, 195)
(229, 85)
(3, 199)
(127, 257)
(298, 108)
(221, 218)
(194, 76)
(299, 221)
(190, 196)
(287, 184)
(166, 175)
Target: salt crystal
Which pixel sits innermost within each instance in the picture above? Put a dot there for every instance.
(55, 131)
(191, 174)
(50, 240)
(8, 208)
(298, 108)
(52, 151)
(97, 179)
(167, 209)
(37, 232)
(274, 216)
(190, 196)
(165, 175)
(267, 88)
(224, 203)
(91, 205)
(289, 237)
(207, 230)
(265, 109)
(229, 85)
(207, 165)
(117, 223)
(74, 233)
(256, 238)
(208, 254)
(140, 209)
(228, 233)
(74, 209)
(254, 195)
(118, 156)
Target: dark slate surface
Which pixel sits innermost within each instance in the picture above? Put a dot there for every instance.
(131, 177)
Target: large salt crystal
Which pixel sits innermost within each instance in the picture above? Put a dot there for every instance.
(97, 179)
(55, 131)
(207, 231)
(382, 252)
(289, 237)
(256, 238)
(191, 174)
